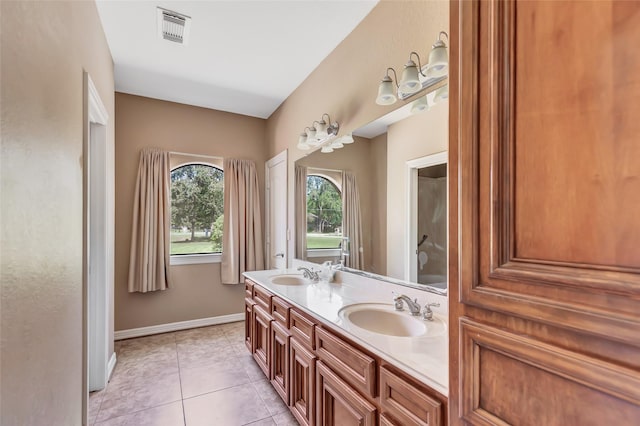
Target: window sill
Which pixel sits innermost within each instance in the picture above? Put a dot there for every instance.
(194, 259)
(323, 253)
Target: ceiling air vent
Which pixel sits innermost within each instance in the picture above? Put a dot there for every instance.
(173, 26)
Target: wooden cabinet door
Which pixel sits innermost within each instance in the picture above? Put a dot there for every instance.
(248, 324)
(280, 360)
(544, 212)
(302, 383)
(261, 336)
(337, 404)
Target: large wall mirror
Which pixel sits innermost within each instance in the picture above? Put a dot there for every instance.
(399, 166)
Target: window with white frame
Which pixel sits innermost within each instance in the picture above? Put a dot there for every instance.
(324, 213)
(197, 207)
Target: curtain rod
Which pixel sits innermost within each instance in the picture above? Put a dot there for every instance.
(186, 154)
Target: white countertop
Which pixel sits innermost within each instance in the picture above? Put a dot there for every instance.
(425, 358)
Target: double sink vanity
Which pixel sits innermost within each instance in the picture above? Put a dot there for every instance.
(350, 351)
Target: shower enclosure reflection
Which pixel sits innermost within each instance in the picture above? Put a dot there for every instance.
(431, 249)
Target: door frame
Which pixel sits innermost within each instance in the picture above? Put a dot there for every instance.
(411, 239)
(98, 209)
(279, 158)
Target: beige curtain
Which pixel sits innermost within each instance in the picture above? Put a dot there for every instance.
(242, 248)
(149, 256)
(300, 201)
(351, 220)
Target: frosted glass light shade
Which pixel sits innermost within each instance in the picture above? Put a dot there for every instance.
(438, 61)
(337, 144)
(311, 136)
(410, 83)
(326, 149)
(321, 130)
(385, 92)
(346, 139)
(419, 105)
(302, 143)
(442, 94)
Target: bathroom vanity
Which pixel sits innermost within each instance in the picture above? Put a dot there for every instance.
(340, 353)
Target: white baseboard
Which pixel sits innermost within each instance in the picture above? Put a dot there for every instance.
(176, 326)
(111, 365)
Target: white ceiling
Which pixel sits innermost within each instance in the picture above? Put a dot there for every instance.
(243, 56)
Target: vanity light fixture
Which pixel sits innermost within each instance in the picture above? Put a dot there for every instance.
(319, 134)
(415, 77)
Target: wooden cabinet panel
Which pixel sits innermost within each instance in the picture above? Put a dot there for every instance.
(386, 421)
(248, 288)
(280, 311)
(406, 403)
(262, 297)
(544, 191)
(557, 381)
(302, 329)
(302, 383)
(356, 367)
(525, 218)
(338, 404)
(248, 324)
(261, 338)
(280, 360)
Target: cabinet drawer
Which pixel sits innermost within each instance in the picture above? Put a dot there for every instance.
(262, 297)
(248, 288)
(280, 311)
(354, 366)
(302, 329)
(407, 404)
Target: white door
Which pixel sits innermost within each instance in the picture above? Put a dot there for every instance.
(276, 207)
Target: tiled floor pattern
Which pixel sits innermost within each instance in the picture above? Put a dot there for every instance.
(199, 377)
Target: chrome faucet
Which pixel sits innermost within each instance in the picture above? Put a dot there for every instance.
(310, 274)
(428, 313)
(414, 307)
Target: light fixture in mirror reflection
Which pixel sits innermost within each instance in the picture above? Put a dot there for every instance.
(415, 77)
(379, 162)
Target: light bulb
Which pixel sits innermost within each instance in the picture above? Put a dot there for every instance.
(385, 92)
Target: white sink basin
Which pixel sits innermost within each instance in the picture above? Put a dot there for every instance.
(289, 279)
(382, 318)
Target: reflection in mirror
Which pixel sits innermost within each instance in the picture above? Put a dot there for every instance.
(379, 161)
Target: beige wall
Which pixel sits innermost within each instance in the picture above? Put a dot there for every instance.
(45, 48)
(345, 83)
(414, 137)
(379, 205)
(141, 122)
(361, 158)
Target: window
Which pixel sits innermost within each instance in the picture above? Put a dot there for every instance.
(324, 213)
(197, 197)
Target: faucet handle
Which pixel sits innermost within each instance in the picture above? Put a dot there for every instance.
(428, 313)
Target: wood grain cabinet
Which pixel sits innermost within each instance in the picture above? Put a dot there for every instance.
(326, 379)
(338, 404)
(544, 191)
(280, 360)
(261, 334)
(248, 323)
(302, 383)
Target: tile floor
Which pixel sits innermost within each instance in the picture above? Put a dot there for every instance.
(199, 377)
